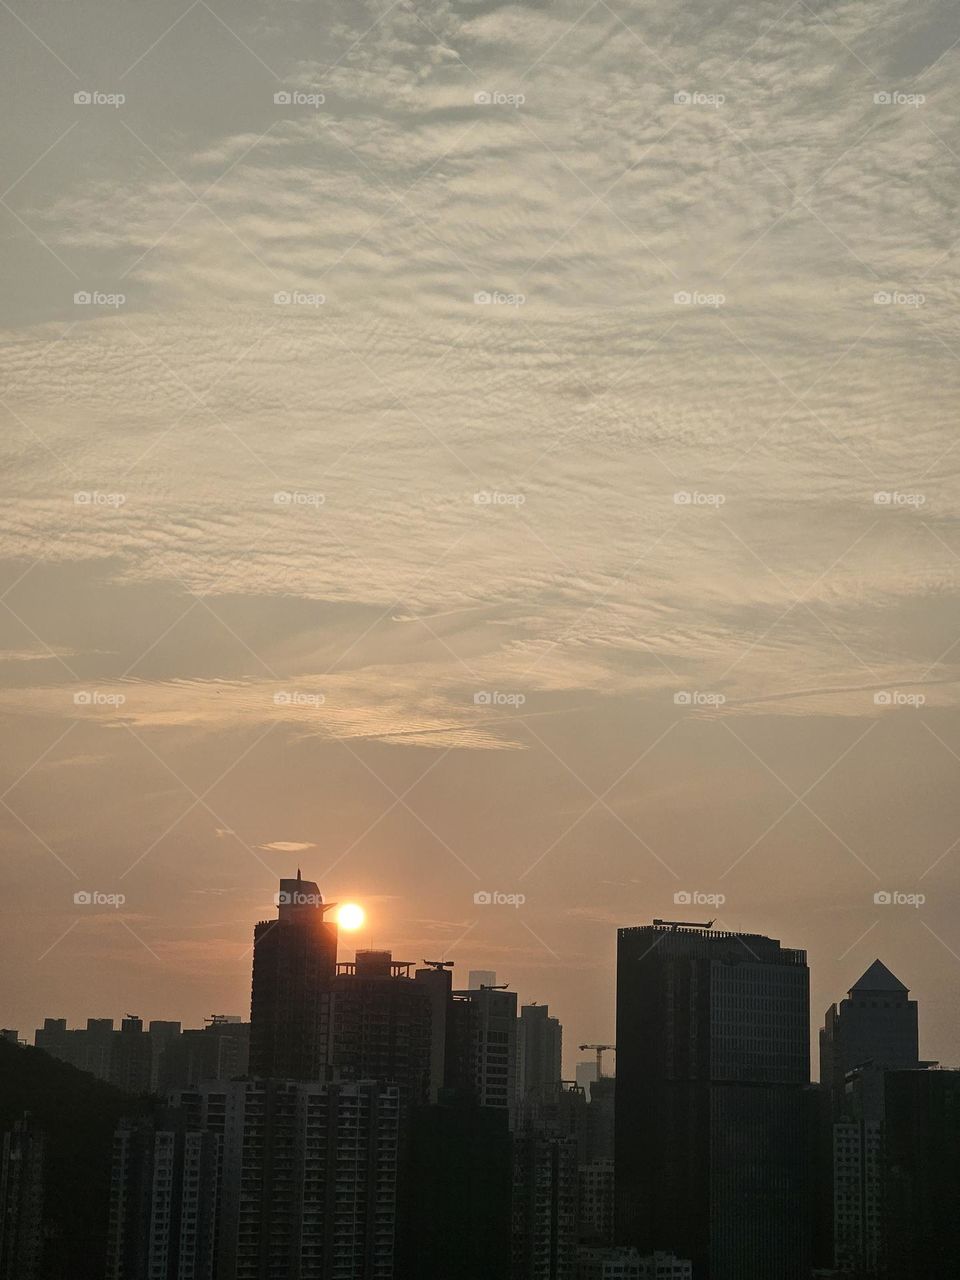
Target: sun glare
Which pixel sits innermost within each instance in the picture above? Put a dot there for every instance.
(351, 916)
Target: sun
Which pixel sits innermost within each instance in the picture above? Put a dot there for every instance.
(351, 916)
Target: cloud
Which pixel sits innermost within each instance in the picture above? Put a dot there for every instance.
(288, 846)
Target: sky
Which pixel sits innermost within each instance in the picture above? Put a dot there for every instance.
(501, 458)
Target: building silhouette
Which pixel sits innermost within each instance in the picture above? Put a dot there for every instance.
(540, 1050)
(596, 1212)
(381, 1024)
(294, 964)
(485, 1046)
(456, 1205)
(22, 1167)
(153, 1060)
(874, 1029)
(921, 1174)
(876, 1024)
(545, 1193)
(297, 1179)
(164, 1199)
(628, 1264)
(712, 1060)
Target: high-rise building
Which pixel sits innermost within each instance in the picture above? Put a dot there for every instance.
(629, 1264)
(437, 980)
(89, 1049)
(477, 978)
(294, 964)
(307, 1177)
(600, 1114)
(132, 1057)
(220, 1051)
(545, 1191)
(712, 1060)
(856, 1180)
(875, 1025)
(921, 1174)
(163, 1201)
(596, 1212)
(541, 1048)
(151, 1061)
(381, 1024)
(873, 1029)
(485, 1052)
(22, 1157)
(456, 1209)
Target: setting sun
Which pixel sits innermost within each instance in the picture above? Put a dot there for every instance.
(351, 916)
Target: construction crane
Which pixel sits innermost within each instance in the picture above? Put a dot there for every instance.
(439, 964)
(600, 1051)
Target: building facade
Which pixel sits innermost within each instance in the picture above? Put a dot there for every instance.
(22, 1157)
(540, 1050)
(875, 1025)
(712, 1060)
(259, 1180)
(294, 964)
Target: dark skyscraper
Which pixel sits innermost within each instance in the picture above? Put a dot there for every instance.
(458, 1171)
(712, 1060)
(541, 1045)
(294, 964)
(921, 1174)
(485, 1052)
(873, 1030)
(875, 1025)
(380, 1025)
(22, 1152)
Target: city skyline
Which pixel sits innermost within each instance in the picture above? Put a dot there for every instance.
(875, 976)
(472, 447)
